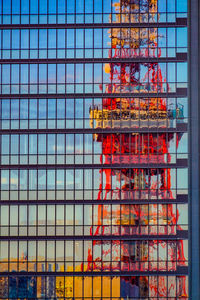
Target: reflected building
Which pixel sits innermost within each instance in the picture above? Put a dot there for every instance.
(94, 150)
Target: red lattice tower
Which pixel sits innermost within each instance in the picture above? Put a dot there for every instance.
(129, 77)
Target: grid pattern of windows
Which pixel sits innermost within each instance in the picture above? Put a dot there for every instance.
(79, 287)
(73, 113)
(107, 255)
(93, 149)
(89, 11)
(90, 78)
(77, 184)
(82, 149)
(78, 220)
(92, 43)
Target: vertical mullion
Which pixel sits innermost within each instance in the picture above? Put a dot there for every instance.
(1, 57)
(57, 17)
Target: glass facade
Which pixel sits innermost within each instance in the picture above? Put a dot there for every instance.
(94, 149)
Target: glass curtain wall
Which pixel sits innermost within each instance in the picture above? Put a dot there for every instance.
(94, 149)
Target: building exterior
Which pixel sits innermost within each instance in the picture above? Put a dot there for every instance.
(99, 195)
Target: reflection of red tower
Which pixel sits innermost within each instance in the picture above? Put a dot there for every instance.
(139, 149)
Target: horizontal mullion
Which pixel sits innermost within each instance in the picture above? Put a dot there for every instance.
(93, 130)
(93, 60)
(179, 93)
(180, 271)
(182, 163)
(183, 234)
(96, 202)
(181, 22)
